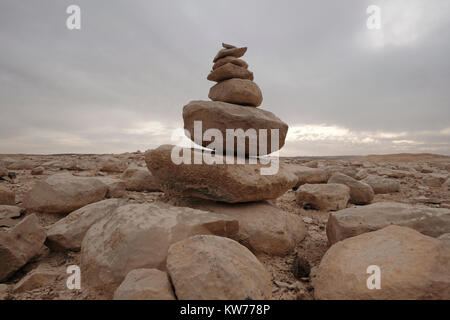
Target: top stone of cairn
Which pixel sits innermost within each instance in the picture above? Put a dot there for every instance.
(234, 80)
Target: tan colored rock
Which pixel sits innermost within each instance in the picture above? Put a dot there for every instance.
(361, 174)
(68, 233)
(263, 228)
(360, 192)
(325, 197)
(64, 193)
(3, 172)
(233, 60)
(19, 244)
(37, 171)
(445, 238)
(413, 267)
(116, 187)
(111, 164)
(230, 71)
(351, 172)
(139, 236)
(4, 291)
(308, 175)
(435, 179)
(382, 185)
(42, 276)
(230, 183)
(237, 91)
(223, 116)
(233, 52)
(228, 46)
(140, 179)
(145, 284)
(22, 164)
(351, 222)
(7, 196)
(216, 268)
(10, 212)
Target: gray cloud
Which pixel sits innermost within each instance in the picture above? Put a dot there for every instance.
(119, 84)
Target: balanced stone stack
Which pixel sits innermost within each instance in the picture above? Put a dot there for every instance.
(234, 106)
(233, 109)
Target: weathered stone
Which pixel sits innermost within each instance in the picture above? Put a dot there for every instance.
(445, 238)
(7, 197)
(37, 171)
(37, 278)
(22, 164)
(145, 284)
(230, 71)
(19, 244)
(10, 212)
(139, 236)
(219, 182)
(325, 197)
(68, 233)
(360, 192)
(63, 193)
(382, 185)
(351, 222)
(413, 267)
(225, 116)
(111, 164)
(140, 179)
(216, 268)
(435, 179)
(263, 228)
(233, 52)
(116, 187)
(308, 175)
(233, 60)
(237, 91)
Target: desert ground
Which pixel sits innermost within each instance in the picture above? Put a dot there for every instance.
(421, 180)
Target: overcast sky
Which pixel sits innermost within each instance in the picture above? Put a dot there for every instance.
(119, 84)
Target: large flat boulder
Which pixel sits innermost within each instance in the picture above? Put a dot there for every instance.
(381, 185)
(139, 236)
(64, 193)
(360, 192)
(216, 268)
(19, 244)
(226, 116)
(237, 91)
(68, 233)
(263, 228)
(325, 197)
(412, 267)
(140, 179)
(351, 222)
(308, 175)
(230, 183)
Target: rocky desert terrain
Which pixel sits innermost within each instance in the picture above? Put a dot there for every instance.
(107, 214)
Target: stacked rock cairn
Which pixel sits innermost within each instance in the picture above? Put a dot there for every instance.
(233, 113)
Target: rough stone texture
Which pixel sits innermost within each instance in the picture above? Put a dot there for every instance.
(351, 172)
(237, 91)
(308, 175)
(37, 171)
(231, 183)
(354, 221)
(139, 236)
(7, 197)
(111, 164)
(116, 187)
(435, 179)
(382, 185)
(19, 244)
(3, 172)
(23, 164)
(223, 116)
(325, 197)
(360, 192)
(412, 265)
(145, 284)
(233, 60)
(233, 52)
(68, 233)
(445, 238)
(263, 228)
(216, 268)
(63, 193)
(140, 179)
(10, 211)
(230, 71)
(37, 278)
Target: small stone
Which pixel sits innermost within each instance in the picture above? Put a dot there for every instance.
(300, 267)
(234, 52)
(230, 71)
(237, 91)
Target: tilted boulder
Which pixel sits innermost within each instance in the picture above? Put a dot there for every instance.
(325, 197)
(360, 192)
